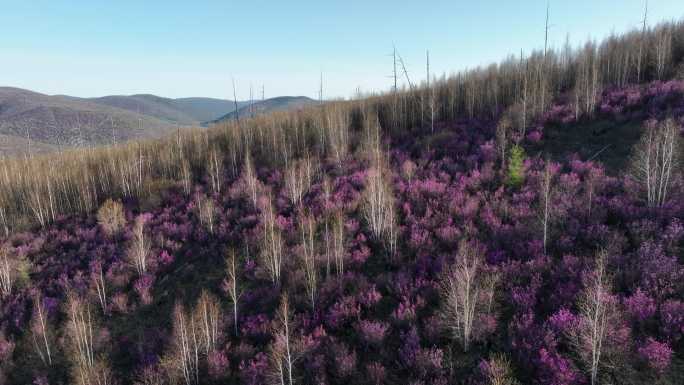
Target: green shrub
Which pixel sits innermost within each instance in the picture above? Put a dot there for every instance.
(516, 168)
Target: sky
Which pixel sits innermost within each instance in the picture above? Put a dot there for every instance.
(195, 48)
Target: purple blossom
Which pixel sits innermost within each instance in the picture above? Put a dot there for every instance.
(640, 306)
(563, 321)
(373, 333)
(218, 364)
(657, 355)
(143, 287)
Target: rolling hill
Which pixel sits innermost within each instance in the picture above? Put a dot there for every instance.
(274, 104)
(185, 111)
(51, 122)
(67, 121)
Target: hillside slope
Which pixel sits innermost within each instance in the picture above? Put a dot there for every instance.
(184, 111)
(280, 103)
(67, 121)
(15, 146)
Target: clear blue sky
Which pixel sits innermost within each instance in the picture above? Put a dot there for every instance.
(193, 48)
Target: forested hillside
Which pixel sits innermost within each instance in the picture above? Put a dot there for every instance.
(521, 223)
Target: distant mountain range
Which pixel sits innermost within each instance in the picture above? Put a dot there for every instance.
(45, 123)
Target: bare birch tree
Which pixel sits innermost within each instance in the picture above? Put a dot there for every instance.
(232, 286)
(206, 211)
(464, 293)
(208, 316)
(41, 334)
(139, 249)
(655, 159)
(498, 371)
(88, 367)
(98, 280)
(598, 316)
(309, 258)
(338, 243)
(216, 170)
(502, 138)
(272, 245)
(337, 133)
(250, 179)
(334, 238)
(283, 353)
(378, 204)
(7, 272)
(546, 191)
(186, 176)
(182, 361)
(663, 51)
(298, 179)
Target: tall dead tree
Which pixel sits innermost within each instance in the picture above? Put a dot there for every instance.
(394, 68)
(251, 101)
(237, 110)
(641, 42)
(524, 71)
(546, 29)
(430, 92)
(320, 90)
(543, 65)
(406, 75)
